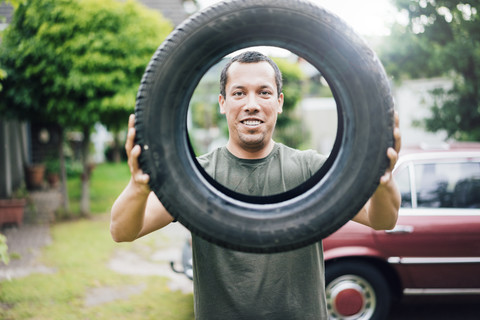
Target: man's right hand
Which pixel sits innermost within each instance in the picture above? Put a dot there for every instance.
(137, 211)
(139, 178)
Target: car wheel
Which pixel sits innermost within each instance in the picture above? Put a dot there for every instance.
(314, 209)
(356, 290)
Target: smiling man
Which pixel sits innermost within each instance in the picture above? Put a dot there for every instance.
(251, 101)
(237, 285)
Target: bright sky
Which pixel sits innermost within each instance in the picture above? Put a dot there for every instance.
(370, 17)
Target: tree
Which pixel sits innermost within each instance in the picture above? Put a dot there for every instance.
(289, 129)
(441, 37)
(76, 63)
(3, 73)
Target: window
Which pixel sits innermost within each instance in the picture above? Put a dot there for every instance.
(448, 185)
(402, 178)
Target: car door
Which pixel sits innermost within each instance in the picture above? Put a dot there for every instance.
(436, 242)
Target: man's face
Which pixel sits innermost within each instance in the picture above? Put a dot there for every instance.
(251, 105)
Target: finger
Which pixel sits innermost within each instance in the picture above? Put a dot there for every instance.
(130, 140)
(130, 134)
(142, 178)
(386, 177)
(397, 118)
(393, 156)
(397, 134)
(133, 159)
(137, 173)
(131, 121)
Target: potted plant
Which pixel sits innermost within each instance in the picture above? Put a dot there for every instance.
(52, 168)
(34, 174)
(12, 209)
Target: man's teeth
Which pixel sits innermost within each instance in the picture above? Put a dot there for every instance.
(251, 122)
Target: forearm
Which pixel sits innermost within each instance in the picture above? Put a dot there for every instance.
(382, 208)
(128, 213)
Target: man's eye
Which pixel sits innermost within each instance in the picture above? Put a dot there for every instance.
(238, 93)
(265, 93)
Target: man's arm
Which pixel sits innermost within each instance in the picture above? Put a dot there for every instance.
(137, 211)
(381, 210)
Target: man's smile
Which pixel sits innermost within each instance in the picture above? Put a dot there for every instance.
(251, 122)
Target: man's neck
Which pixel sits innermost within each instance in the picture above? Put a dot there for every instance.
(250, 153)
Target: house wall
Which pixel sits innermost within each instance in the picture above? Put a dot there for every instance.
(13, 156)
(412, 101)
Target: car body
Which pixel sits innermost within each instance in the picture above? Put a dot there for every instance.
(433, 249)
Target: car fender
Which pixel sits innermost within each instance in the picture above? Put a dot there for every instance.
(352, 251)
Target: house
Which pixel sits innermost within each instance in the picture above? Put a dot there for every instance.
(174, 10)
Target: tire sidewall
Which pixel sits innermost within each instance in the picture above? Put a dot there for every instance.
(359, 85)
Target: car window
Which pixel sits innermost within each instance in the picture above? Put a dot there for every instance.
(448, 185)
(402, 178)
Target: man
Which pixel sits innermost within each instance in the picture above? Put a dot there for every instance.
(237, 285)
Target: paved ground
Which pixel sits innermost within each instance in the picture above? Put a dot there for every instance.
(27, 241)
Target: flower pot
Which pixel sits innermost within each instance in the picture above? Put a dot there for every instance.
(53, 179)
(34, 176)
(11, 211)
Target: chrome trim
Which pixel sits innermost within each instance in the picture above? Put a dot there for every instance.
(457, 156)
(456, 291)
(433, 260)
(413, 185)
(441, 212)
(400, 229)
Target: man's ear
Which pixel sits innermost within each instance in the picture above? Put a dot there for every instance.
(221, 103)
(280, 102)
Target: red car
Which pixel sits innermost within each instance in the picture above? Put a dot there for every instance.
(434, 248)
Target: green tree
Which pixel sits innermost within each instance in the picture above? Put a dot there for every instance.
(3, 73)
(441, 38)
(289, 129)
(76, 63)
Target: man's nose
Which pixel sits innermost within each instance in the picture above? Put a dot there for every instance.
(252, 104)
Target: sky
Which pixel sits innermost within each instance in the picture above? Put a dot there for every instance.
(368, 18)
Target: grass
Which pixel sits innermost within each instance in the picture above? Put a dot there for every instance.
(107, 181)
(79, 254)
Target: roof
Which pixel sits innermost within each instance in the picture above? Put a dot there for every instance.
(173, 10)
(442, 148)
(6, 11)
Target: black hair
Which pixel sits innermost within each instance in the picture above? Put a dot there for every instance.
(250, 57)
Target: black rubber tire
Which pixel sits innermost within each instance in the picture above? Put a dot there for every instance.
(367, 274)
(321, 205)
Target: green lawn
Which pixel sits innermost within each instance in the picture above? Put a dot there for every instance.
(79, 254)
(107, 181)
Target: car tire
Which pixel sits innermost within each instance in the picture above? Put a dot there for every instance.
(356, 290)
(316, 208)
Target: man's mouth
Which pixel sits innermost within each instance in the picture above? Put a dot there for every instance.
(251, 122)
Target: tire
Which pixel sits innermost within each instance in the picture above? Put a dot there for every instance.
(356, 291)
(313, 210)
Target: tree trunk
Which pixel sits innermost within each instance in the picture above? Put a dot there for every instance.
(85, 198)
(63, 174)
(116, 157)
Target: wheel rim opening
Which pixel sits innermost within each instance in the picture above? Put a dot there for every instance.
(316, 109)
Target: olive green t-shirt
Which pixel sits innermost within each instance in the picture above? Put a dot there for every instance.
(236, 285)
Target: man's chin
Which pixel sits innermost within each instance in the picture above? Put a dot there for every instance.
(254, 144)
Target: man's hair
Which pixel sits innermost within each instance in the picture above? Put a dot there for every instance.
(250, 57)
